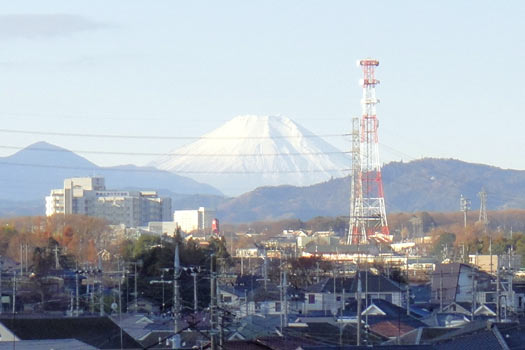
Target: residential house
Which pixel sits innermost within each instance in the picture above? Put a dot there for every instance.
(327, 295)
(464, 283)
(249, 295)
(384, 319)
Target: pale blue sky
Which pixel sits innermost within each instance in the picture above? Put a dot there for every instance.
(451, 72)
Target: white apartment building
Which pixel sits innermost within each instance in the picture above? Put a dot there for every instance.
(88, 196)
(194, 220)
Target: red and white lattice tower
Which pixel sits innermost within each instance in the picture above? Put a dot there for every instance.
(367, 202)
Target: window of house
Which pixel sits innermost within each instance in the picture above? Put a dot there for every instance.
(489, 298)
(278, 307)
(226, 298)
(311, 298)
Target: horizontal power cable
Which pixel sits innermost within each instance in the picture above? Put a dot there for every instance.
(143, 117)
(154, 170)
(173, 154)
(159, 137)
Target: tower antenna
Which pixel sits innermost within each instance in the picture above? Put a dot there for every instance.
(368, 213)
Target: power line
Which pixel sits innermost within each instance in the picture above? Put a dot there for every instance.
(154, 170)
(172, 154)
(108, 136)
(143, 117)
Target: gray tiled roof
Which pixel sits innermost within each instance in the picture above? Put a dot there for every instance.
(56, 344)
(99, 332)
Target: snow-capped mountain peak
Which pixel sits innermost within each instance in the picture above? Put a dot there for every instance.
(251, 151)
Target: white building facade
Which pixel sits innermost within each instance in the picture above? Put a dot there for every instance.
(88, 196)
(194, 220)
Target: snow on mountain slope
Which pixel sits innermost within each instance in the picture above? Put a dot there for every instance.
(252, 151)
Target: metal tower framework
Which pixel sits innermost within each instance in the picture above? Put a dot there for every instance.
(483, 219)
(367, 203)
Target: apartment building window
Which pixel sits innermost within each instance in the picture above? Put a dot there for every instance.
(311, 298)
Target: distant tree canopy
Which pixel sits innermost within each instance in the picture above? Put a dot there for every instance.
(76, 239)
(442, 242)
(154, 257)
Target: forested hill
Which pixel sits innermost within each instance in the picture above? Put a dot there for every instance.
(422, 185)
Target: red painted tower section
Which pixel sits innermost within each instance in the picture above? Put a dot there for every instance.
(215, 227)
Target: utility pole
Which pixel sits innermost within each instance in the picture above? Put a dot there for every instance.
(265, 267)
(176, 300)
(473, 303)
(408, 289)
(195, 300)
(285, 283)
(136, 289)
(340, 321)
(510, 279)
(57, 265)
(366, 294)
(213, 303)
(77, 294)
(441, 289)
(101, 298)
(358, 295)
(163, 299)
(242, 266)
(14, 291)
(1, 301)
(464, 206)
(21, 259)
(335, 291)
(27, 261)
(281, 313)
(119, 302)
(498, 296)
(92, 295)
(246, 301)
(490, 252)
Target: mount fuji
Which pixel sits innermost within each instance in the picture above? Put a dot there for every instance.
(252, 151)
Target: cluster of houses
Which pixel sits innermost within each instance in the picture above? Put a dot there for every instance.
(461, 305)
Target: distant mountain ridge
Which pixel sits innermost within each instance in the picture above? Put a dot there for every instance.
(31, 173)
(421, 185)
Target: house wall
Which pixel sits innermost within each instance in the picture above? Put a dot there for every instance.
(322, 302)
(6, 334)
(328, 301)
(464, 288)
